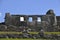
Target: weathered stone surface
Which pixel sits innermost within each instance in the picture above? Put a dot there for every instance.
(49, 22)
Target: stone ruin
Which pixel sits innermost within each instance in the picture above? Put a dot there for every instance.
(49, 22)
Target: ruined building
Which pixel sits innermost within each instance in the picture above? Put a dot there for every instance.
(48, 22)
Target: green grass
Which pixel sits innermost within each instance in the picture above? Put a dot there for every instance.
(25, 39)
(22, 39)
(30, 32)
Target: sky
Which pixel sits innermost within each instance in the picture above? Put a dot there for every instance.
(28, 7)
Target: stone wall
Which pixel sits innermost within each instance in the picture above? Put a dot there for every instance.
(48, 21)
